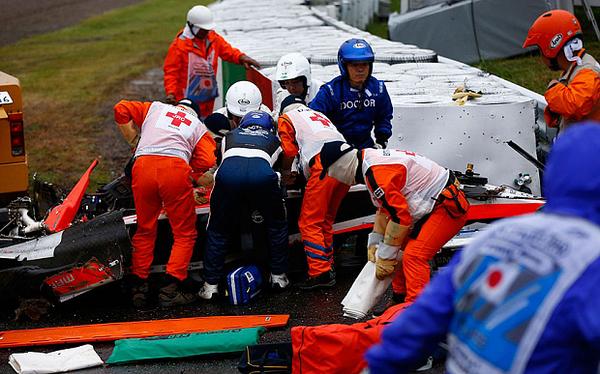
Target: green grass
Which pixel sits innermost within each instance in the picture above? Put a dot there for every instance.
(529, 71)
(82, 63)
(379, 27)
(70, 79)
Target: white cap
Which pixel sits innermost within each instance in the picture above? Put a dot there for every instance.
(243, 97)
(201, 17)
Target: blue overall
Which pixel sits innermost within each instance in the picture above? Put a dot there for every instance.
(245, 183)
(356, 113)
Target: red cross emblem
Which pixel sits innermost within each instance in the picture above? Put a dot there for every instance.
(178, 118)
(319, 118)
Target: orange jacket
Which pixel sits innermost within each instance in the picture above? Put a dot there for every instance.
(176, 63)
(203, 157)
(578, 98)
(287, 134)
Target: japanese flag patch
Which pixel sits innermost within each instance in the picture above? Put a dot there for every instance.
(496, 281)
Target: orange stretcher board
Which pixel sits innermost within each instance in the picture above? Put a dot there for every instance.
(121, 330)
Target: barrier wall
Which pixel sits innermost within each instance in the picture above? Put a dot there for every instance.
(426, 120)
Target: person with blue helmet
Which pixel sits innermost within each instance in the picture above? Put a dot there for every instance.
(246, 185)
(523, 297)
(356, 102)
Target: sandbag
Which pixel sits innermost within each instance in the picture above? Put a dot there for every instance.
(184, 345)
(337, 348)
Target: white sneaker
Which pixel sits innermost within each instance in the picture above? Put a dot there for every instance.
(428, 365)
(280, 281)
(208, 291)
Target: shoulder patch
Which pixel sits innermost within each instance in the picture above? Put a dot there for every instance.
(378, 193)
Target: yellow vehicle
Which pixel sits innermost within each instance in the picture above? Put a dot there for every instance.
(13, 160)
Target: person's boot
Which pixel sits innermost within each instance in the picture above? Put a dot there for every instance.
(397, 298)
(209, 291)
(279, 282)
(322, 280)
(139, 291)
(172, 293)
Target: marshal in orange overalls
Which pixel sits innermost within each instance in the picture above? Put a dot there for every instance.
(303, 132)
(205, 54)
(174, 145)
(413, 191)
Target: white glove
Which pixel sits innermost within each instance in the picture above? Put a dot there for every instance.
(388, 252)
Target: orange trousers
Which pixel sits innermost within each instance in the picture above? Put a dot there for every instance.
(157, 182)
(321, 201)
(414, 271)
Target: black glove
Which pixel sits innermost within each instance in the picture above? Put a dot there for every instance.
(381, 140)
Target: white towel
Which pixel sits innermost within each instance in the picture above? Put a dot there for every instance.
(364, 293)
(55, 362)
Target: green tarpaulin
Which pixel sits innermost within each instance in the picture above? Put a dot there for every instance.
(184, 345)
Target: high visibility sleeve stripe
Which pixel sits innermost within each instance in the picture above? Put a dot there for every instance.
(317, 247)
(317, 257)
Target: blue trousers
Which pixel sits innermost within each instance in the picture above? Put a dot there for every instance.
(244, 185)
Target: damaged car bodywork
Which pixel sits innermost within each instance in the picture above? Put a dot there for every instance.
(94, 247)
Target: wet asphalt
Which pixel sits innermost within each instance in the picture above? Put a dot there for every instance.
(109, 304)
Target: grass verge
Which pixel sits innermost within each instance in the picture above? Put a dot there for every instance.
(70, 76)
(529, 71)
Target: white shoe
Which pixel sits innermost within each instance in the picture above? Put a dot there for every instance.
(428, 365)
(208, 291)
(280, 281)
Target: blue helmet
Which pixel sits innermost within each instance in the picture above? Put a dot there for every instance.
(354, 50)
(257, 118)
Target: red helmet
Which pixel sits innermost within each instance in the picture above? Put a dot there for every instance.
(551, 31)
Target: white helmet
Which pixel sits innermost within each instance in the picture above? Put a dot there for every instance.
(201, 17)
(293, 65)
(243, 97)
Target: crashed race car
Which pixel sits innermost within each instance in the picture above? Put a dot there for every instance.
(84, 241)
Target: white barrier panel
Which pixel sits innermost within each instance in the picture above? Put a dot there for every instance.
(456, 135)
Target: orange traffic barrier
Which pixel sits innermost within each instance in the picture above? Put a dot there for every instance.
(121, 330)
